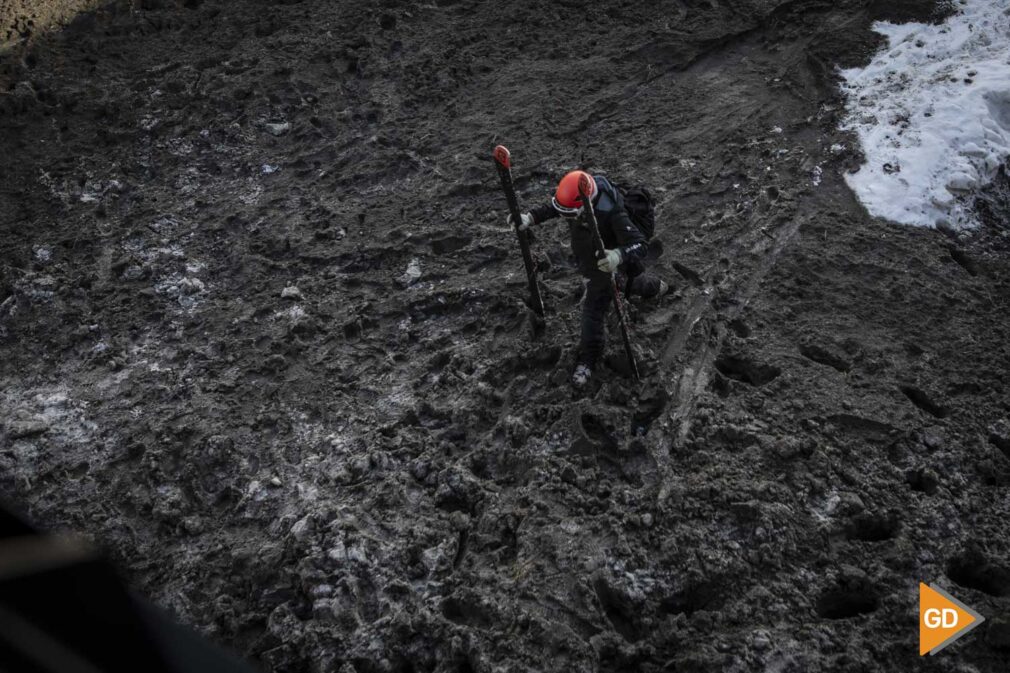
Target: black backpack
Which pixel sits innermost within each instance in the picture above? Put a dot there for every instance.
(641, 208)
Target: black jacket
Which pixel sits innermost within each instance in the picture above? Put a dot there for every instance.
(616, 228)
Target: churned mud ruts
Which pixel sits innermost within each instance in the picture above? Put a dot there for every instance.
(264, 337)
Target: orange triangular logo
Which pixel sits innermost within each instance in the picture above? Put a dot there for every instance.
(942, 619)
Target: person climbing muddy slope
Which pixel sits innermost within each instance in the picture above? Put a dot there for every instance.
(626, 246)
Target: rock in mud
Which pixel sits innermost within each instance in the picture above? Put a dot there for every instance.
(277, 128)
(20, 429)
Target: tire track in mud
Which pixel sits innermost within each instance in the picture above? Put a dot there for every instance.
(748, 256)
(694, 374)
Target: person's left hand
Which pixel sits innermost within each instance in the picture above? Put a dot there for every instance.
(610, 261)
(525, 221)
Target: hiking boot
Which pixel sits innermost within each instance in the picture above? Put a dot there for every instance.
(582, 375)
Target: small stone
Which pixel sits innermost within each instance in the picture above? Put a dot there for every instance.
(275, 481)
(411, 275)
(29, 428)
(419, 470)
(321, 591)
(291, 292)
(277, 128)
(850, 503)
(459, 520)
(647, 520)
(193, 525)
(338, 552)
(361, 465)
(190, 286)
(932, 440)
(43, 253)
(301, 529)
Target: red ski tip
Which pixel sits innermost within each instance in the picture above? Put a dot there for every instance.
(502, 156)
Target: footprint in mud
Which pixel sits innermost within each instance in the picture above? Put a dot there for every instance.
(873, 527)
(850, 598)
(650, 408)
(963, 260)
(1000, 438)
(688, 274)
(593, 436)
(486, 255)
(699, 595)
(826, 354)
(543, 359)
(450, 244)
(744, 369)
(439, 360)
(466, 612)
(924, 401)
(923, 480)
(739, 328)
(618, 609)
(617, 361)
(867, 429)
(972, 570)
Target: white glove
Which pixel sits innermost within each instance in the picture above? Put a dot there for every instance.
(526, 221)
(610, 261)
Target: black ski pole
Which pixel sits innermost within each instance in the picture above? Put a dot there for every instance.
(504, 162)
(585, 189)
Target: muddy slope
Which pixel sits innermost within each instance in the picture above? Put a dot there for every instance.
(263, 336)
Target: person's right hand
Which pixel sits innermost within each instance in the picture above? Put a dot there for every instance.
(525, 223)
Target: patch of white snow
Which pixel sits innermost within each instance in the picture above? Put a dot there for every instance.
(932, 112)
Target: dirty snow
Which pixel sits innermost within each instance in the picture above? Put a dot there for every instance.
(932, 112)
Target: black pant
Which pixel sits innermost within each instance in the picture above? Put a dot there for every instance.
(599, 293)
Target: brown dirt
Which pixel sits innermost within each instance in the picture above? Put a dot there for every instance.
(21, 19)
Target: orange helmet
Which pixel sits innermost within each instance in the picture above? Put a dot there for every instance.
(566, 199)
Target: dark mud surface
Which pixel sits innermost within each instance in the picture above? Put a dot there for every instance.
(263, 337)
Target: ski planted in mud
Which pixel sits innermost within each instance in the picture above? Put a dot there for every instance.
(585, 188)
(503, 159)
